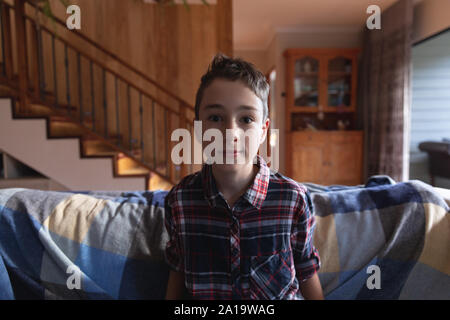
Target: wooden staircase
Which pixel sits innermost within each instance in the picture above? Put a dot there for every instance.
(72, 118)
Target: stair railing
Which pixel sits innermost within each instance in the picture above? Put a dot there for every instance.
(105, 106)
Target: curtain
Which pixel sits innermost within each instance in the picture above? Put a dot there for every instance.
(385, 93)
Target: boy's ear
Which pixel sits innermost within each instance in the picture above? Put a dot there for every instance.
(265, 129)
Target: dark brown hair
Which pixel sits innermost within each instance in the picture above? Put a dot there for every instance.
(234, 69)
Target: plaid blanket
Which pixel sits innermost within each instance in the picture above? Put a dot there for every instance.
(383, 240)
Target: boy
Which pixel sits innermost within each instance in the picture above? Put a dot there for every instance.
(236, 229)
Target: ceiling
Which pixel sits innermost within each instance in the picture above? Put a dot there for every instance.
(255, 22)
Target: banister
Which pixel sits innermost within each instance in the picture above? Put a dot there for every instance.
(32, 88)
(106, 68)
(121, 61)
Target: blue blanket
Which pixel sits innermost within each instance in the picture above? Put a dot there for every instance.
(384, 240)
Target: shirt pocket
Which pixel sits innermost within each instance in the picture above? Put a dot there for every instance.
(271, 276)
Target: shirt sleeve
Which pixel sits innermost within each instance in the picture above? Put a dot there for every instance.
(306, 256)
(173, 251)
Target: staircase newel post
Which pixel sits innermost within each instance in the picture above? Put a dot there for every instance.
(7, 41)
(184, 171)
(19, 6)
(35, 53)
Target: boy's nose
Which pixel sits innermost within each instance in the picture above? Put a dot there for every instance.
(233, 139)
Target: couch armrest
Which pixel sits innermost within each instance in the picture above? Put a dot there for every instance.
(445, 193)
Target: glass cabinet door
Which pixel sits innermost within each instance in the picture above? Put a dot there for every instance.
(339, 90)
(306, 82)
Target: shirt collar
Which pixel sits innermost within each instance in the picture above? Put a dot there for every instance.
(255, 194)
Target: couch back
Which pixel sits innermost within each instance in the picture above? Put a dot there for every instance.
(379, 241)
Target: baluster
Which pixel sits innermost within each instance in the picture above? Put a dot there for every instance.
(80, 86)
(7, 42)
(2, 39)
(34, 59)
(117, 113)
(21, 53)
(166, 149)
(183, 169)
(154, 134)
(55, 80)
(105, 104)
(141, 112)
(66, 63)
(92, 96)
(42, 84)
(191, 165)
(130, 131)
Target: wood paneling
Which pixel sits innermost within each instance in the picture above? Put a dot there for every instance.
(327, 157)
(225, 26)
(169, 44)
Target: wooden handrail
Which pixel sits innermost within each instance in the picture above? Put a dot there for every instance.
(32, 88)
(106, 68)
(121, 61)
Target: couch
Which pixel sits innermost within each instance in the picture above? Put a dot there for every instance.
(438, 158)
(381, 240)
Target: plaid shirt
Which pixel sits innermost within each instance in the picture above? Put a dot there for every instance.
(259, 249)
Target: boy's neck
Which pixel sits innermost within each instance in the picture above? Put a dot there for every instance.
(234, 183)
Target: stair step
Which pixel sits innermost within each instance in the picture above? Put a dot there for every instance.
(98, 148)
(6, 91)
(128, 166)
(112, 138)
(62, 127)
(157, 183)
(136, 152)
(39, 110)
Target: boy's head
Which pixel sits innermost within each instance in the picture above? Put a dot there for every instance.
(223, 67)
(232, 98)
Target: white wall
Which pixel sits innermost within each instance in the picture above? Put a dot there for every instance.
(59, 159)
(430, 114)
(340, 37)
(336, 38)
(430, 17)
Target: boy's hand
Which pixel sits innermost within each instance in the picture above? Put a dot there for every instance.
(311, 288)
(175, 286)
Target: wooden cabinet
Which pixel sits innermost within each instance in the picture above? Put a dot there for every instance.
(322, 144)
(333, 157)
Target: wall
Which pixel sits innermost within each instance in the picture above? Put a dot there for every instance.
(430, 111)
(257, 57)
(26, 140)
(273, 56)
(170, 44)
(430, 17)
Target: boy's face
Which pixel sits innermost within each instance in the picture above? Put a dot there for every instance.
(232, 105)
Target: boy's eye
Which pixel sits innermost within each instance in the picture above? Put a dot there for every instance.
(214, 118)
(247, 120)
